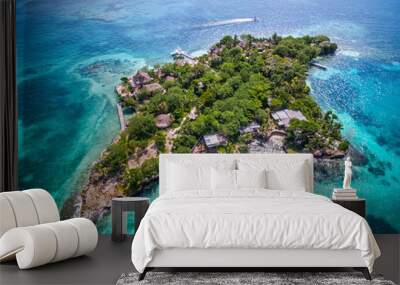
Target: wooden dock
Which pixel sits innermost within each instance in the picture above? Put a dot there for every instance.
(320, 66)
(180, 53)
(121, 117)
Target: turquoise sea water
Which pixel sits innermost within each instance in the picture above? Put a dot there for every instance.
(71, 54)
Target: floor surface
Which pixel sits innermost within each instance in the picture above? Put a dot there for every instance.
(111, 259)
(103, 266)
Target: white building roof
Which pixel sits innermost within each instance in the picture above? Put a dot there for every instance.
(214, 140)
(283, 117)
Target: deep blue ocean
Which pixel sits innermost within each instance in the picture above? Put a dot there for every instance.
(71, 53)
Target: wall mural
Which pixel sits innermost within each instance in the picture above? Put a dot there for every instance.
(105, 87)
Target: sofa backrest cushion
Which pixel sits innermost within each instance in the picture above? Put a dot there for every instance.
(7, 219)
(26, 208)
(45, 205)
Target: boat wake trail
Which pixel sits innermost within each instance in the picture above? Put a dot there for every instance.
(230, 22)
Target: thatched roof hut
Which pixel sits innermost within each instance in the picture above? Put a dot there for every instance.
(250, 128)
(199, 148)
(164, 121)
(283, 117)
(215, 140)
(142, 78)
(276, 132)
(159, 72)
(153, 87)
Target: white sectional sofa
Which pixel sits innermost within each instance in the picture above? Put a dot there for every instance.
(31, 231)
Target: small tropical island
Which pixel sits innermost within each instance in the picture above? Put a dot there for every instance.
(246, 94)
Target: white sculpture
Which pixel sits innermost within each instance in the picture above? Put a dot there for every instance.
(347, 174)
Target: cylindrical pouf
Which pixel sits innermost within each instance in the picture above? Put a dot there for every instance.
(87, 235)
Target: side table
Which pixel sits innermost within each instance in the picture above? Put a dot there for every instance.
(356, 205)
(119, 209)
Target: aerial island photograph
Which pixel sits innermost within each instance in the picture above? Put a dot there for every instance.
(107, 86)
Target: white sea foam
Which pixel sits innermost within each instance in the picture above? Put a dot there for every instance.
(394, 66)
(349, 53)
(199, 52)
(229, 22)
(324, 74)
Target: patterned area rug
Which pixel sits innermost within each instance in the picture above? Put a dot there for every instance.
(243, 278)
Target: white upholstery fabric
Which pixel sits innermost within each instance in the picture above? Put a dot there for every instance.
(255, 257)
(189, 177)
(23, 208)
(27, 208)
(251, 219)
(251, 178)
(31, 232)
(32, 246)
(46, 208)
(223, 179)
(284, 174)
(66, 238)
(7, 218)
(87, 235)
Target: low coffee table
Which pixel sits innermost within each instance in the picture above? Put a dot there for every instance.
(119, 209)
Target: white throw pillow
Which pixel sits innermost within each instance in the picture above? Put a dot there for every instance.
(283, 174)
(184, 178)
(287, 176)
(223, 179)
(251, 178)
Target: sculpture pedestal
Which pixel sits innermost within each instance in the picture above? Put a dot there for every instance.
(344, 194)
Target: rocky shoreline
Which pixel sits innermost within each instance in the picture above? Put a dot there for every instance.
(94, 202)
